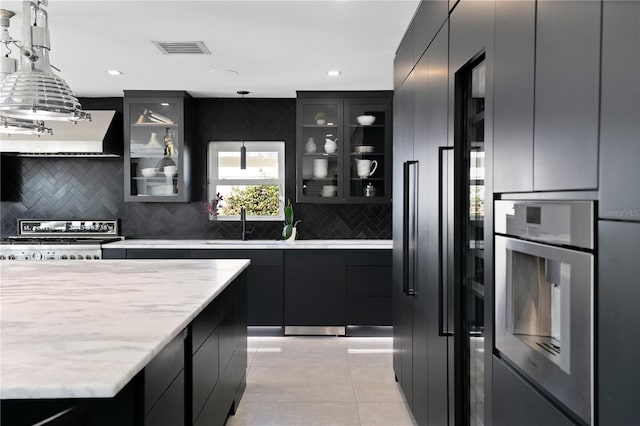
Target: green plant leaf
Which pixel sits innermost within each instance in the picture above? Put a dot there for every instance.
(288, 214)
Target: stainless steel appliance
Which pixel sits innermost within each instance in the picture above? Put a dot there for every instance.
(544, 278)
(59, 239)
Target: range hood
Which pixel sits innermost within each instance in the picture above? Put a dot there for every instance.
(96, 138)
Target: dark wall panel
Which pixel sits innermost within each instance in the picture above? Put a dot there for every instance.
(93, 188)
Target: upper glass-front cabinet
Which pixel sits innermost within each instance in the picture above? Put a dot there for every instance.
(156, 153)
(343, 147)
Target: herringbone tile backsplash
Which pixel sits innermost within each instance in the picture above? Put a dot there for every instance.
(72, 188)
(92, 188)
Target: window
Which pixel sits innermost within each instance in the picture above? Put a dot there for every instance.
(259, 188)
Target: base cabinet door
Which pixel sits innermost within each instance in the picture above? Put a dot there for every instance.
(515, 402)
(265, 282)
(314, 288)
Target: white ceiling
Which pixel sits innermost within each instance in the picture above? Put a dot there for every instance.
(277, 47)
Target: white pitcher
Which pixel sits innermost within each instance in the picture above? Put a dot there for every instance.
(330, 146)
(365, 168)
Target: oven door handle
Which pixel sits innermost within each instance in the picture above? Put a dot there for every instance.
(445, 243)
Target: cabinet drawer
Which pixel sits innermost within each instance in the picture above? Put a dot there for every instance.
(203, 325)
(205, 366)
(369, 281)
(169, 410)
(369, 257)
(114, 253)
(509, 392)
(157, 254)
(257, 257)
(162, 370)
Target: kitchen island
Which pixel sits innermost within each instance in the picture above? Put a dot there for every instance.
(122, 335)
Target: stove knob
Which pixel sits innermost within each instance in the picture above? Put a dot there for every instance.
(12, 257)
(2, 257)
(36, 255)
(72, 257)
(80, 257)
(63, 257)
(96, 257)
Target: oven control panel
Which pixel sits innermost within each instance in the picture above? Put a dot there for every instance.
(48, 254)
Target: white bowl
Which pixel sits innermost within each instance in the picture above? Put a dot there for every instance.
(366, 120)
(170, 171)
(148, 172)
(365, 148)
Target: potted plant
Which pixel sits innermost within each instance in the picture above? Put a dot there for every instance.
(212, 207)
(321, 118)
(289, 229)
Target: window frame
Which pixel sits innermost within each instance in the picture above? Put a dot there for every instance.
(214, 147)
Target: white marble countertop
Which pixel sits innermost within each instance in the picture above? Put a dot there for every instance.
(251, 244)
(85, 329)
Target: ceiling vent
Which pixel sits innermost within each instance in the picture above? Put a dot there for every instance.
(182, 47)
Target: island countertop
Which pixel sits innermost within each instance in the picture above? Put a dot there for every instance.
(84, 330)
(360, 244)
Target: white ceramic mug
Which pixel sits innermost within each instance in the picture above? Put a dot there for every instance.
(365, 168)
(320, 167)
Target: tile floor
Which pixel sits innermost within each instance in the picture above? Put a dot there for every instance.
(321, 381)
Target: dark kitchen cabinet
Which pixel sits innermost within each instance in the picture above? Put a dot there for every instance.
(265, 282)
(161, 372)
(205, 356)
(620, 109)
(157, 254)
(158, 137)
(340, 157)
(515, 402)
(315, 288)
(513, 96)
(403, 62)
(567, 73)
(618, 301)
(432, 365)
(402, 304)
(220, 360)
(369, 288)
(427, 21)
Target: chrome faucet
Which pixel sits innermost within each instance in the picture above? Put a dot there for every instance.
(243, 219)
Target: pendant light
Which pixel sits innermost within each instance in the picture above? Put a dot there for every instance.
(243, 150)
(34, 92)
(8, 66)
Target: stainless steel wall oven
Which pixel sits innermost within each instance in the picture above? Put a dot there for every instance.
(544, 277)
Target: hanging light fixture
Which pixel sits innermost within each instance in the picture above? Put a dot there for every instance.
(243, 149)
(8, 66)
(34, 92)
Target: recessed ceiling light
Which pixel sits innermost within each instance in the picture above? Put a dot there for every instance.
(333, 73)
(164, 103)
(114, 72)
